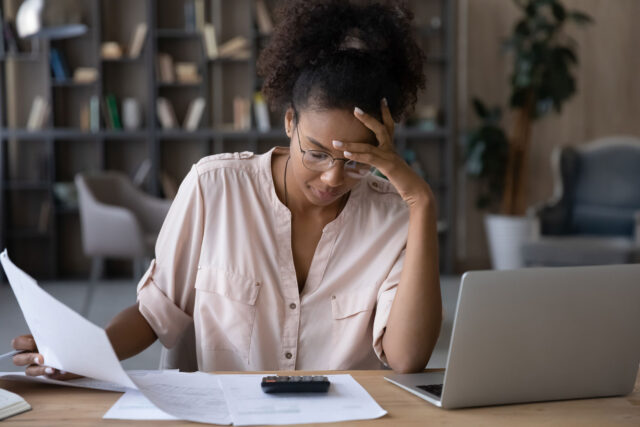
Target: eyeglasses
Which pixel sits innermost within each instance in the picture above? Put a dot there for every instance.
(321, 161)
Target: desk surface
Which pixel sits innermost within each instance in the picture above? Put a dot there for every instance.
(67, 406)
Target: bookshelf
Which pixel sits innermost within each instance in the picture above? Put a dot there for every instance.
(39, 222)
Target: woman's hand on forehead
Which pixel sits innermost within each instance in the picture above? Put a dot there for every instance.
(413, 189)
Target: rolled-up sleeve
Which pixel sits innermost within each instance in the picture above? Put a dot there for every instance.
(386, 295)
(166, 291)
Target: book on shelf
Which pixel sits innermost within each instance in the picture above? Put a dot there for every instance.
(194, 114)
(85, 118)
(106, 117)
(263, 18)
(166, 114)
(187, 72)
(165, 70)
(142, 172)
(85, 75)
(241, 113)
(11, 404)
(210, 40)
(261, 112)
(233, 47)
(39, 113)
(112, 109)
(94, 113)
(199, 14)
(138, 39)
(189, 12)
(59, 66)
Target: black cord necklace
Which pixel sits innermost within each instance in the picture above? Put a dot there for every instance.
(286, 195)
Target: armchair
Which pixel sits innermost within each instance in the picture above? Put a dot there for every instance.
(117, 221)
(594, 215)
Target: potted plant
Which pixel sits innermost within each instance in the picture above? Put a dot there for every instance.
(541, 82)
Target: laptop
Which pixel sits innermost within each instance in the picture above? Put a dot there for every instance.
(538, 334)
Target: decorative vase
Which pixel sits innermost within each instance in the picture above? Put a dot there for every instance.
(505, 235)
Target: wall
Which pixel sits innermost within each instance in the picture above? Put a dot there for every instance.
(607, 100)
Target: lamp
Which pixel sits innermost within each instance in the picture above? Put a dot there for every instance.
(58, 19)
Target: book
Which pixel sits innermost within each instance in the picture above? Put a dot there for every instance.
(199, 12)
(11, 404)
(94, 113)
(261, 112)
(232, 46)
(166, 114)
(112, 109)
(194, 114)
(189, 16)
(263, 18)
(38, 113)
(187, 72)
(138, 39)
(85, 75)
(210, 41)
(106, 117)
(85, 118)
(165, 70)
(58, 63)
(241, 113)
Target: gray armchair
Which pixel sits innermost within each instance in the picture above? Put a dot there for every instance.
(594, 216)
(118, 221)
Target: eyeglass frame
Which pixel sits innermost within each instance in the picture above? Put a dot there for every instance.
(333, 159)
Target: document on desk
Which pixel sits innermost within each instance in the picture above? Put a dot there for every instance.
(346, 400)
(188, 396)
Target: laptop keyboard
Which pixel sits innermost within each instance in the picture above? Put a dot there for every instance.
(435, 389)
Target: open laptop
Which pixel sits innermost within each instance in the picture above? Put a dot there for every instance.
(538, 334)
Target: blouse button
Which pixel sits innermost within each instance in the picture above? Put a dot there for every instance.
(333, 297)
(257, 283)
(292, 306)
(288, 355)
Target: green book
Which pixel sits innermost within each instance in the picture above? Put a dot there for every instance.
(112, 107)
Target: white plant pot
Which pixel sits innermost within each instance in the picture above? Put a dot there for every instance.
(506, 234)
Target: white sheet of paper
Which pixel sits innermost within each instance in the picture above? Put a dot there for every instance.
(66, 340)
(193, 396)
(346, 400)
(133, 405)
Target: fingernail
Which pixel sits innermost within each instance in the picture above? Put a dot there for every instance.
(338, 144)
(358, 111)
(38, 361)
(48, 371)
(384, 101)
(347, 154)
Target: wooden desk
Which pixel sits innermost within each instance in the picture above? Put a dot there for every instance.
(66, 406)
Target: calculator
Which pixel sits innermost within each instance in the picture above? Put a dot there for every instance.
(295, 384)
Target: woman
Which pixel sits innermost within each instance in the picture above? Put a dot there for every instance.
(300, 258)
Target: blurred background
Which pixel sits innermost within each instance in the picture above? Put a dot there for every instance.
(527, 132)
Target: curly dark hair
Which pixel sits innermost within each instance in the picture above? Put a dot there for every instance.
(341, 54)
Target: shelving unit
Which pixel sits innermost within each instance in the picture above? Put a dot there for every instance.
(36, 165)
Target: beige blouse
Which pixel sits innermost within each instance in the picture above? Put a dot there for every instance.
(224, 264)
